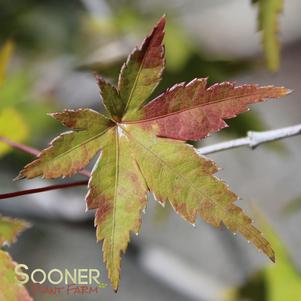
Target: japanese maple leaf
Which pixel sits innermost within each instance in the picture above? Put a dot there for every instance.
(143, 149)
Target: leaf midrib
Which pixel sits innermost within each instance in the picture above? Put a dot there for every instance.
(130, 98)
(112, 237)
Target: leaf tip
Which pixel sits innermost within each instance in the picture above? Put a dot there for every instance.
(160, 25)
(54, 115)
(20, 176)
(282, 91)
(162, 20)
(115, 283)
(287, 91)
(100, 80)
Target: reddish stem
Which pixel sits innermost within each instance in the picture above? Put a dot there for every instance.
(22, 147)
(37, 190)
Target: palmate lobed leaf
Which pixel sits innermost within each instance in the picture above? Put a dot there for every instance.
(142, 148)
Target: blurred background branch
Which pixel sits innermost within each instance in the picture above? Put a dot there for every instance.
(253, 139)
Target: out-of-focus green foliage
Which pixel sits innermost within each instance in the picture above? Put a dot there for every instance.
(10, 289)
(16, 89)
(179, 45)
(20, 115)
(12, 124)
(283, 281)
(5, 54)
(40, 27)
(277, 282)
(293, 206)
(17, 92)
(242, 124)
(10, 228)
(268, 13)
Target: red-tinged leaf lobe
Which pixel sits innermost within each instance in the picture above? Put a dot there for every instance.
(192, 111)
(142, 71)
(82, 119)
(118, 191)
(71, 151)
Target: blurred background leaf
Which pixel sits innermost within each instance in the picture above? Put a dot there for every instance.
(293, 206)
(268, 14)
(10, 229)
(12, 126)
(10, 289)
(5, 54)
(21, 114)
(276, 282)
